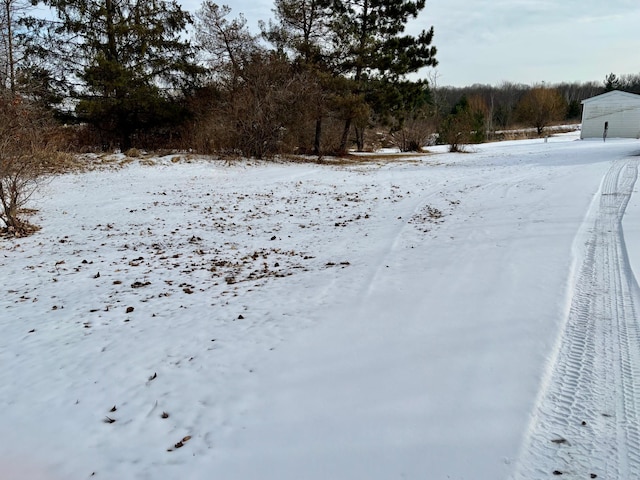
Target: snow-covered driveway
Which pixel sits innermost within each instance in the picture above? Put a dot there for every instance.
(587, 423)
(414, 319)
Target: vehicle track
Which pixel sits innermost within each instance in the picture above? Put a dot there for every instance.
(586, 423)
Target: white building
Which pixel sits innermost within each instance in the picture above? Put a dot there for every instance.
(618, 111)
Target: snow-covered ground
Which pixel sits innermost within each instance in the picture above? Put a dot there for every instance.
(469, 316)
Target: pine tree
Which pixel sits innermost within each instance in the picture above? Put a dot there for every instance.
(121, 60)
(369, 34)
(406, 108)
(611, 82)
(359, 42)
(302, 31)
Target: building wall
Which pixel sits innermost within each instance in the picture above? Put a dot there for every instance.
(621, 111)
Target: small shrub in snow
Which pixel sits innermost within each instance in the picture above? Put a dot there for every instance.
(133, 153)
(28, 141)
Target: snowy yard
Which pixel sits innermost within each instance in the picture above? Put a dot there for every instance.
(469, 316)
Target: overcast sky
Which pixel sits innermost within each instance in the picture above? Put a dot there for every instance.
(523, 41)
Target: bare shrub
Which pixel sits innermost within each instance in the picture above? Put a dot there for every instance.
(456, 131)
(415, 134)
(465, 125)
(261, 116)
(28, 151)
(133, 153)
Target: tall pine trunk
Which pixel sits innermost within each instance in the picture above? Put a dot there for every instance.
(342, 149)
(360, 138)
(317, 141)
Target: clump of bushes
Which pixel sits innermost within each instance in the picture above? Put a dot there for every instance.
(29, 150)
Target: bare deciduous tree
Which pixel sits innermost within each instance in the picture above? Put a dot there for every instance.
(256, 99)
(541, 106)
(11, 54)
(227, 43)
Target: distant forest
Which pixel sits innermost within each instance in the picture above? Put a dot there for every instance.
(322, 77)
(502, 99)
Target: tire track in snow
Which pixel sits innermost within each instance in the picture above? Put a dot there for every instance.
(586, 423)
(393, 223)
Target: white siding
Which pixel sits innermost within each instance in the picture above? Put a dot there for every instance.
(621, 110)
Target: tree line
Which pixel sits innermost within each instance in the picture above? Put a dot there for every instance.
(145, 73)
(321, 77)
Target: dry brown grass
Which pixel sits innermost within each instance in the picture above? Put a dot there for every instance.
(524, 133)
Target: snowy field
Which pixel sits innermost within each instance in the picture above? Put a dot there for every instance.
(453, 316)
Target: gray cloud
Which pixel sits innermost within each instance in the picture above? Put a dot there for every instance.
(526, 41)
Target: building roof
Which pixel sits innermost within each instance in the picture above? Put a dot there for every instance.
(630, 97)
